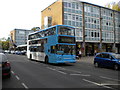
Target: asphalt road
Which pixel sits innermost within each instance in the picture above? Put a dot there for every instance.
(31, 74)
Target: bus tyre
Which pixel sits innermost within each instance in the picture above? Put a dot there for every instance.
(46, 59)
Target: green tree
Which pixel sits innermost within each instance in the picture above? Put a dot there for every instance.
(35, 29)
(4, 44)
(114, 5)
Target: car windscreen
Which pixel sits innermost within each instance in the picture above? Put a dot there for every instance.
(117, 56)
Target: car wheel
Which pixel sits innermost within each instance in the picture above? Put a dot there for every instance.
(96, 64)
(116, 67)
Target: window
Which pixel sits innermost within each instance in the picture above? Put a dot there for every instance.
(105, 56)
(69, 16)
(53, 49)
(77, 18)
(77, 6)
(69, 4)
(92, 34)
(73, 17)
(65, 4)
(73, 5)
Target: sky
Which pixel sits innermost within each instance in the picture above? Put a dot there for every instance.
(26, 14)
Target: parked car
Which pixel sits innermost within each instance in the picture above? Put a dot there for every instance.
(12, 52)
(18, 52)
(23, 52)
(5, 66)
(106, 59)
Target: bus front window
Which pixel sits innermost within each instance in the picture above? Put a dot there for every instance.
(66, 49)
(66, 30)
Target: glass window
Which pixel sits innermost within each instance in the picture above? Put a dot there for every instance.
(73, 23)
(69, 4)
(66, 30)
(65, 4)
(69, 22)
(73, 5)
(69, 16)
(77, 6)
(77, 17)
(53, 49)
(69, 10)
(66, 49)
(65, 15)
(73, 17)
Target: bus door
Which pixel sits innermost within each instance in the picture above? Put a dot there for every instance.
(52, 53)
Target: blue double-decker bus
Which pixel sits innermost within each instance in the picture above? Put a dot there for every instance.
(55, 44)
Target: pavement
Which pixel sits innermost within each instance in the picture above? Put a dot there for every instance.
(87, 59)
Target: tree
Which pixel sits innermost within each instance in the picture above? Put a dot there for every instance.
(35, 29)
(114, 6)
(4, 44)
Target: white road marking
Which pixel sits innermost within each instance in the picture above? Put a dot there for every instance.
(12, 72)
(80, 75)
(110, 84)
(56, 70)
(97, 83)
(24, 85)
(109, 78)
(51, 68)
(17, 77)
(61, 72)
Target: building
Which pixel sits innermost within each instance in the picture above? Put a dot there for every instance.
(19, 37)
(97, 27)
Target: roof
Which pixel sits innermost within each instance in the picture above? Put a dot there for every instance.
(86, 3)
(49, 28)
(108, 52)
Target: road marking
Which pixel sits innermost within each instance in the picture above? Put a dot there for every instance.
(17, 77)
(61, 68)
(80, 75)
(51, 68)
(110, 84)
(61, 72)
(24, 85)
(109, 78)
(12, 72)
(97, 84)
(56, 70)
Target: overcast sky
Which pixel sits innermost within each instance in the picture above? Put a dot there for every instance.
(26, 14)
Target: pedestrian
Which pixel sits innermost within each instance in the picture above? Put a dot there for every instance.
(95, 52)
(79, 54)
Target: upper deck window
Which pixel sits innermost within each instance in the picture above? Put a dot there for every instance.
(66, 30)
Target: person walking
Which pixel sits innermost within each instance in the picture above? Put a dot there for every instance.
(79, 54)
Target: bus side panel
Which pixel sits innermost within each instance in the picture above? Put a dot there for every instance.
(40, 56)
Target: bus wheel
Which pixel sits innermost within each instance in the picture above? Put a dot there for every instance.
(46, 59)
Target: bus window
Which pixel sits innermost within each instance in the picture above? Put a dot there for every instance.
(67, 49)
(66, 30)
(53, 49)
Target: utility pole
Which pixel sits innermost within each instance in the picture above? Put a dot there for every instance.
(83, 27)
(114, 31)
(100, 32)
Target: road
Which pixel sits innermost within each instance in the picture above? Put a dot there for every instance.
(31, 74)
